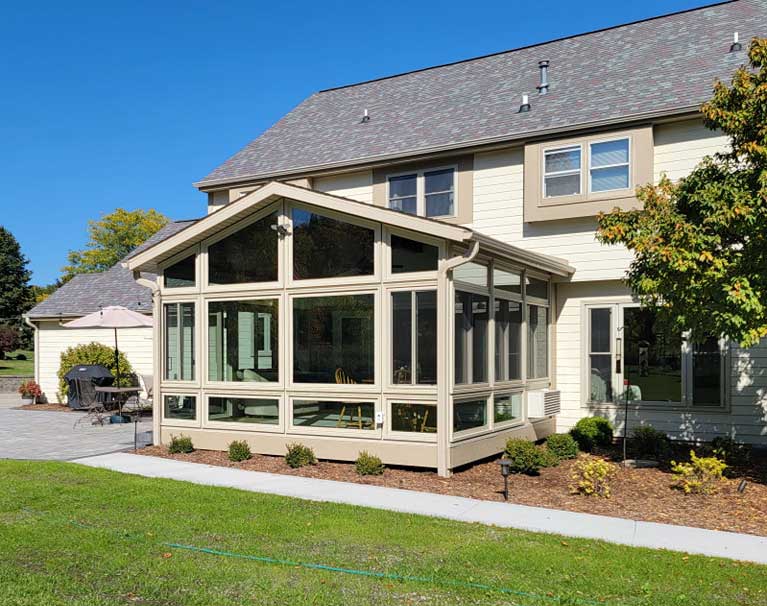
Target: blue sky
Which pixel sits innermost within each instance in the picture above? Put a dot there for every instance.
(109, 104)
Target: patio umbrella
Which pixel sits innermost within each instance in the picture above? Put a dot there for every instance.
(112, 317)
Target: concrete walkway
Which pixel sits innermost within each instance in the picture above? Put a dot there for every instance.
(537, 519)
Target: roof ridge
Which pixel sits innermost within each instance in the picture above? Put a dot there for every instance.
(527, 46)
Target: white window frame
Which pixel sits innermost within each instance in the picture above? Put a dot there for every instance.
(420, 176)
(195, 380)
(256, 427)
(562, 173)
(408, 436)
(487, 396)
(627, 164)
(170, 422)
(512, 422)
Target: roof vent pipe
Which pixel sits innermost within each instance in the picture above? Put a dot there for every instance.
(365, 117)
(736, 45)
(543, 87)
(525, 106)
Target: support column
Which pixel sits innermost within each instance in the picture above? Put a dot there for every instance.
(443, 374)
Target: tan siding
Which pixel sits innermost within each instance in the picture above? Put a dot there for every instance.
(136, 343)
(357, 186)
(680, 146)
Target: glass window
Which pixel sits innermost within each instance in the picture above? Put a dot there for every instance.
(469, 414)
(508, 340)
(507, 281)
(471, 273)
(413, 417)
(402, 338)
(182, 408)
(438, 191)
(243, 340)
(537, 288)
(600, 355)
(537, 342)
(248, 255)
(264, 411)
(333, 414)
(410, 255)
(179, 341)
(471, 318)
(403, 194)
(417, 309)
(562, 172)
(328, 248)
(181, 274)
(334, 339)
(610, 165)
(707, 373)
(507, 407)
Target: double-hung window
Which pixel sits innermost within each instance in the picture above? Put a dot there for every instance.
(429, 193)
(562, 171)
(609, 165)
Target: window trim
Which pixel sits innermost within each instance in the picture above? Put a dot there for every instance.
(484, 394)
(562, 173)
(181, 290)
(523, 408)
(390, 385)
(420, 175)
(627, 164)
(408, 436)
(195, 380)
(410, 276)
(363, 434)
(234, 425)
(170, 422)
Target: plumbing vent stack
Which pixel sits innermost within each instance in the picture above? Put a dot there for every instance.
(543, 87)
(525, 106)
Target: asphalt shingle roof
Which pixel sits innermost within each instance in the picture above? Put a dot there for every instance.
(86, 293)
(661, 65)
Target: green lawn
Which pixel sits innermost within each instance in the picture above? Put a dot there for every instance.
(18, 367)
(72, 535)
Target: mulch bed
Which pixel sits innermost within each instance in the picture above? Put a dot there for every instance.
(639, 494)
(54, 407)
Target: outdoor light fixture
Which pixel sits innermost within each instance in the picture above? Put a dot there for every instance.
(280, 229)
(505, 471)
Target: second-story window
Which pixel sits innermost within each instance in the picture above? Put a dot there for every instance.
(428, 193)
(562, 172)
(609, 165)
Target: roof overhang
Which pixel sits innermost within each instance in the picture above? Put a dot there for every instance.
(152, 258)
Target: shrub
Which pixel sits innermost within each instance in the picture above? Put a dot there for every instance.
(368, 464)
(180, 444)
(9, 340)
(21, 357)
(592, 477)
(524, 456)
(650, 443)
(730, 451)
(591, 432)
(700, 476)
(548, 457)
(563, 445)
(299, 455)
(93, 353)
(30, 389)
(239, 451)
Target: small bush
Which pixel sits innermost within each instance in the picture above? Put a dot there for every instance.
(592, 476)
(239, 451)
(651, 443)
(368, 464)
(563, 445)
(524, 456)
(93, 353)
(700, 476)
(180, 444)
(548, 457)
(591, 432)
(299, 455)
(730, 451)
(21, 357)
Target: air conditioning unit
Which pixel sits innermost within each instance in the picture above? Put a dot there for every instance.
(543, 403)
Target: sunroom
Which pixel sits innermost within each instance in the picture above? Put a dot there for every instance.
(291, 315)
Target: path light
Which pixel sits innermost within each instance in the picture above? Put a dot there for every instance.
(742, 486)
(505, 471)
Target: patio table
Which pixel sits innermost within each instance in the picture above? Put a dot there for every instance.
(118, 394)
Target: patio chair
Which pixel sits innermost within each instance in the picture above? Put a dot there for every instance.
(92, 402)
(142, 401)
(343, 379)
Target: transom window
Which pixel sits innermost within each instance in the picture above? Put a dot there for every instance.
(248, 255)
(428, 193)
(181, 274)
(411, 255)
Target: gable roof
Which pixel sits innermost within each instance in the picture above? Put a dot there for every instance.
(661, 66)
(86, 293)
(150, 259)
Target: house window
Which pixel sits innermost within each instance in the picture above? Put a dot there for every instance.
(413, 417)
(609, 165)
(536, 288)
(180, 408)
(414, 337)
(471, 273)
(243, 341)
(537, 342)
(262, 411)
(469, 414)
(334, 339)
(508, 340)
(507, 281)
(428, 193)
(334, 414)
(562, 171)
(181, 274)
(470, 329)
(411, 256)
(600, 355)
(507, 407)
(179, 341)
(324, 247)
(248, 255)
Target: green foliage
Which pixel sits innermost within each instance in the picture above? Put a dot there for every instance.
(699, 245)
(701, 475)
(239, 451)
(524, 456)
(299, 455)
(730, 451)
(563, 445)
(111, 239)
(180, 444)
(15, 292)
(650, 443)
(592, 432)
(591, 477)
(368, 464)
(548, 457)
(9, 340)
(93, 353)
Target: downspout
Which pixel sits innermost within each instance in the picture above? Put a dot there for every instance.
(156, 348)
(33, 326)
(444, 466)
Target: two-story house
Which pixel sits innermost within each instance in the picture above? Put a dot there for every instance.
(408, 265)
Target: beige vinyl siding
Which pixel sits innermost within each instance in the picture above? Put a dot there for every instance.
(357, 186)
(680, 146)
(53, 339)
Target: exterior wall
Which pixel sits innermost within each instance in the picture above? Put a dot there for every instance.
(679, 146)
(53, 339)
(357, 186)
